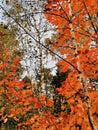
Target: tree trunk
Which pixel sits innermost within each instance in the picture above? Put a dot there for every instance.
(81, 77)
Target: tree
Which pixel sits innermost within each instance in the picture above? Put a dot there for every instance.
(16, 96)
(27, 46)
(77, 26)
(77, 38)
(12, 92)
(59, 100)
(8, 51)
(7, 38)
(17, 100)
(28, 18)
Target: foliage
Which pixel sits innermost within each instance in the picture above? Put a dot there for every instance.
(77, 27)
(77, 42)
(59, 100)
(7, 38)
(16, 96)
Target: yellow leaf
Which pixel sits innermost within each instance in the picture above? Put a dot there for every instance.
(5, 120)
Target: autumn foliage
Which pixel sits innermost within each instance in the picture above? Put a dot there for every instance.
(77, 40)
(16, 96)
(12, 89)
(76, 23)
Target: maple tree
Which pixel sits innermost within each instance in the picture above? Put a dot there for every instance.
(77, 41)
(10, 86)
(16, 94)
(25, 13)
(20, 97)
(17, 100)
(77, 23)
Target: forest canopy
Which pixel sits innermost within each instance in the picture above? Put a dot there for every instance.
(49, 65)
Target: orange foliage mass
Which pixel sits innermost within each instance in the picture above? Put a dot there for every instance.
(76, 22)
(20, 99)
